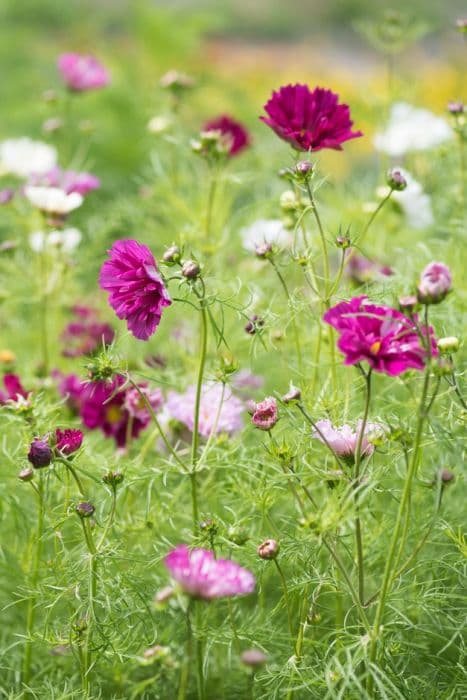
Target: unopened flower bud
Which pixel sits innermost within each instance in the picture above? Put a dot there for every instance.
(40, 454)
(342, 242)
(250, 406)
(209, 526)
(176, 81)
(254, 658)
(293, 394)
(52, 124)
(190, 269)
(288, 200)
(396, 180)
(407, 304)
(455, 108)
(155, 653)
(26, 474)
(449, 345)
(238, 535)
(85, 509)
(255, 324)
(113, 478)
(461, 25)
(435, 283)
(444, 367)
(446, 476)
(172, 255)
(285, 174)
(269, 549)
(264, 250)
(304, 168)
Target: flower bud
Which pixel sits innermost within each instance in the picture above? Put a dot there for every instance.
(254, 658)
(238, 535)
(435, 283)
(396, 180)
(112, 478)
(26, 474)
(172, 255)
(265, 415)
(190, 269)
(446, 476)
(293, 394)
(455, 108)
(254, 325)
(209, 526)
(85, 509)
(342, 242)
(263, 251)
(408, 304)
(304, 168)
(288, 200)
(449, 345)
(40, 454)
(461, 25)
(444, 367)
(176, 81)
(156, 653)
(158, 124)
(269, 549)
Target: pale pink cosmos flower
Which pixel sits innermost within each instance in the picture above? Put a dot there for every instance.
(204, 577)
(435, 283)
(343, 441)
(135, 404)
(181, 407)
(82, 72)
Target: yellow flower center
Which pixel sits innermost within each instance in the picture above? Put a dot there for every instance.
(375, 347)
(113, 414)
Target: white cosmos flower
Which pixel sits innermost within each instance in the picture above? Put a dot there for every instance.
(411, 129)
(53, 199)
(265, 231)
(67, 240)
(24, 157)
(413, 201)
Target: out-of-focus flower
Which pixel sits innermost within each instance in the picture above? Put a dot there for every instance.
(253, 658)
(82, 72)
(14, 389)
(265, 414)
(309, 120)
(414, 202)
(159, 124)
(175, 80)
(362, 270)
(66, 240)
(53, 200)
(181, 407)
(435, 283)
(85, 335)
(343, 441)
(245, 382)
(269, 549)
(135, 404)
(70, 387)
(265, 231)
(23, 157)
(235, 134)
(383, 337)
(68, 441)
(137, 292)
(411, 129)
(7, 356)
(67, 180)
(202, 576)
(6, 195)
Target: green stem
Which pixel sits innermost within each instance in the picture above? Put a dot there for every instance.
(322, 236)
(199, 653)
(91, 617)
(286, 596)
(358, 459)
(110, 519)
(44, 307)
(210, 204)
(33, 580)
(186, 665)
(294, 323)
(369, 222)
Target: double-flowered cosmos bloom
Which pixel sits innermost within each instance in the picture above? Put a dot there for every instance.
(137, 292)
(309, 120)
(202, 576)
(343, 441)
(235, 135)
(383, 337)
(82, 72)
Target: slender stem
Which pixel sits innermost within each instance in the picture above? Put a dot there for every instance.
(338, 278)
(44, 307)
(286, 596)
(458, 392)
(210, 203)
(213, 429)
(186, 665)
(389, 574)
(294, 323)
(70, 468)
(358, 459)
(33, 581)
(110, 519)
(368, 224)
(92, 592)
(199, 653)
(321, 435)
(322, 236)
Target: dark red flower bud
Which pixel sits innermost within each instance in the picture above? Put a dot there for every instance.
(40, 454)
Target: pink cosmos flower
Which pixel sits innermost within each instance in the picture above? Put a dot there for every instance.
(71, 387)
(202, 576)
(435, 283)
(67, 180)
(181, 407)
(309, 120)
(68, 440)
(137, 291)
(362, 270)
(235, 133)
(86, 335)
(343, 440)
(14, 389)
(265, 414)
(82, 72)
(136, 406)
(379, 335)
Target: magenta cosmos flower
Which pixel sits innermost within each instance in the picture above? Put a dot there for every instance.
(379, 335)
(435, 283)
(137, 291)
(86, 334)
(68, 440)
(235, 134)
(82, 72)
(265, 414)
(309, 119)
(14, 389)
(202, 576)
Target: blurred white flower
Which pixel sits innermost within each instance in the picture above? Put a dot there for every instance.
(24, 157)
(411, 129)
(413, 201)
(157, 125)
(53, 199)
(67, 240)
(265, 231)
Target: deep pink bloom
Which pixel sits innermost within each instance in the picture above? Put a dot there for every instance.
(181, 407)
(101, 412)
(68, 440)
(435, 283)
(343, 441)
(71, 387)
(82, 72)
(309, 119)
(265, 414)
(235, 134)
(137, 291)
(202, 576)
(67, 180)
(14, 389)
(379, 335)
(86, 335)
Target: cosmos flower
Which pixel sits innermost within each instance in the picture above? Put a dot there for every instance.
(411, 129)
(67, 180)
(202, 576)
(137, 291)
(86, 334)
(181, 407)
(234, 133)
(265, 414)
(82, 72)
(265, 231)
(309, 120)
(343, 440)
(66, 239)
(14, 389)
(23, 157)
(379, 335)
(68, 441)
(53, 200)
